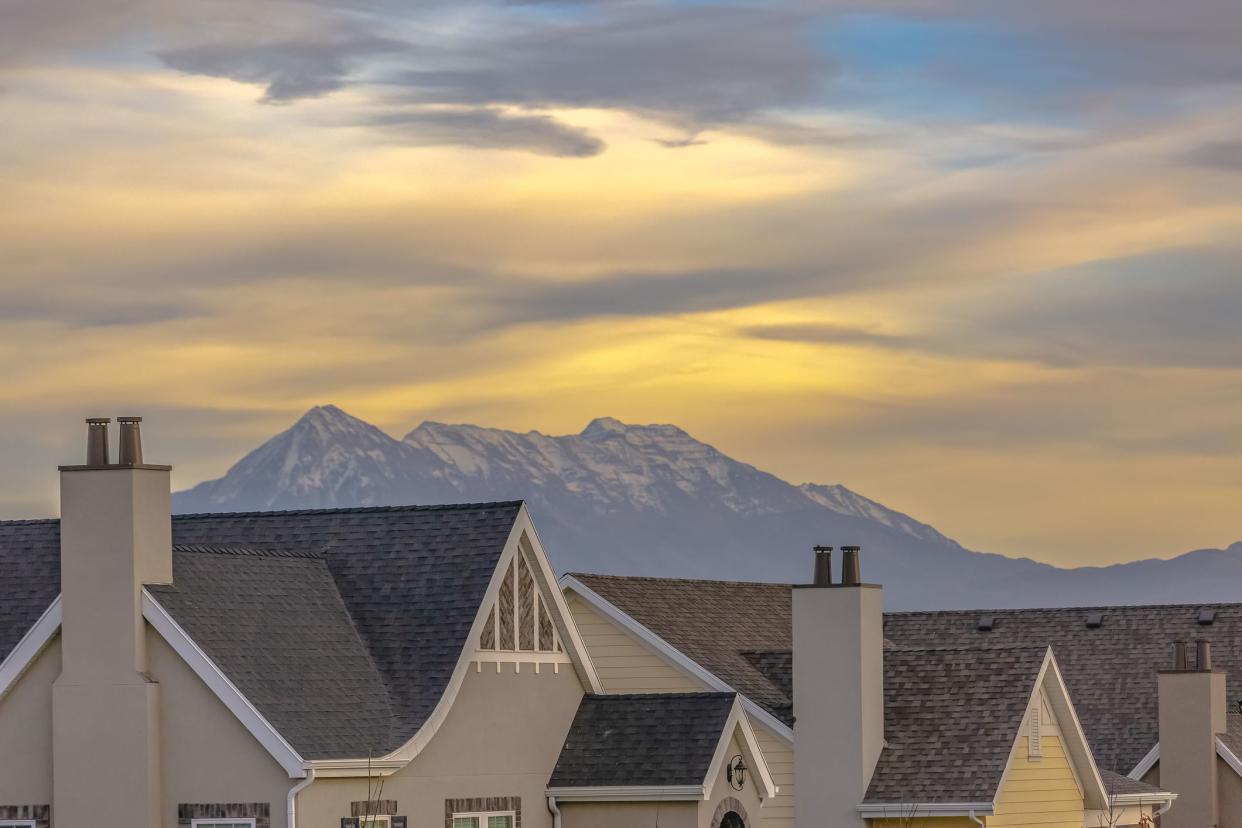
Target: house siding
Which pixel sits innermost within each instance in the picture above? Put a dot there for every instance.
(1039, 793)
(624, 664)
(1230, 792)
(779, 754)
(26, 733)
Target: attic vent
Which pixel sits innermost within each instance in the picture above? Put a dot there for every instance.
(1095, 620)
(985, 623)
(1034, 749)
(1207, 616)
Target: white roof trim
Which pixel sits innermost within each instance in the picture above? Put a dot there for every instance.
(900, 810)
(1231, 758)
(637, 793)
(522, 527)
(1146, 763)
(674, 655)
(219, 683)
(29, 647)
(751, 751)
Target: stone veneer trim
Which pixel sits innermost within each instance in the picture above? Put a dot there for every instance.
(726, 805)
(260, 812)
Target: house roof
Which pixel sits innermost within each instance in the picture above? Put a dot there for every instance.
(1110, 670)
(341, 626)
(1118, 785)
(642, 739)
(950, 720)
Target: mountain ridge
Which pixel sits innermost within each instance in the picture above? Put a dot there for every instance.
(652, 500)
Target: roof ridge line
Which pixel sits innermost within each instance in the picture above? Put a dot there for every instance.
(434, 507)
(257, 552)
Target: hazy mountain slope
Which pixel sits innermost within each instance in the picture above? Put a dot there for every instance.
(653, 500)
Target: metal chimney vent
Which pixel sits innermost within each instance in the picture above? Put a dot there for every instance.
(1206, 617)
(985, 623)
(823, 566)
(97, 441)
(131, 441)
(850, 575)
(1180, 662)
(1203, 655)
(1095, 620)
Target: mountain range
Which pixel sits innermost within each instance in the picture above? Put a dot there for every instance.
(652, 500)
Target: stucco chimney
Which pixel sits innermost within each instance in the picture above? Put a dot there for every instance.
(115, 536)
(1192, 714)
(838, 641)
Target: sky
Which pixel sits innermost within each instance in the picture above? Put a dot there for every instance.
(976, 260)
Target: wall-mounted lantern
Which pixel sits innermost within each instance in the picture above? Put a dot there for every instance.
(735, 772)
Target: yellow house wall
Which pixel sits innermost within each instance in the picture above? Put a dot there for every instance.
(721, 790)
(1043, 792)
(624, 665)
(26, 733)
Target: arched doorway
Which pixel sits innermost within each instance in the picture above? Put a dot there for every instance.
(730, 814)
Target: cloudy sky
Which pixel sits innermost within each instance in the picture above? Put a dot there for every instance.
(977, 260)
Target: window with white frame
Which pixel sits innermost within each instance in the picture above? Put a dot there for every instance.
(222, 822)
(17, 823)
(494, 819)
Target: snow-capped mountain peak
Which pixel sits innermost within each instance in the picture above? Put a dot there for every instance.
(653, 500)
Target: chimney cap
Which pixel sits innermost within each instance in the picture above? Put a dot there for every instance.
(129, 419)
(98, 420)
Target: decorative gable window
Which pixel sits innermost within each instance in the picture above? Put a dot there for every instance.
(519, 626)
(1033, 748)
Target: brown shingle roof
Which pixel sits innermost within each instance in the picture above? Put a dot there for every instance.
(738, 631)
(950, 720)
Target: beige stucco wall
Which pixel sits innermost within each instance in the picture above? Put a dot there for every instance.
(26, 733)
(501, 738)
(623, 663)
(628, 815)
(1230, 792)
(207, 756)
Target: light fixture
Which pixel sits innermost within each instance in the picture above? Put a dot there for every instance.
(735, 772)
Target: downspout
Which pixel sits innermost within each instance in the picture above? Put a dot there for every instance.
(1166, 806)
(976, 819)
(556, 812)
(293, 798)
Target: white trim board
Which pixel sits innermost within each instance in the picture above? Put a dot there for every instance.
(902, 810)
(1231, 758)
(673, 655)
(625, 793)
(1146, 763)
(29, 647)
(224, 689)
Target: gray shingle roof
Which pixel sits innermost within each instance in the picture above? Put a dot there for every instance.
(642, 739)
(1117, 785)
(1110, 670)
(950, 720)
(408, 581)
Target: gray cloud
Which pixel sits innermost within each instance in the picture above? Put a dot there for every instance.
(695, 66)
(289, 69)
(487, 128)
(1223, 155)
